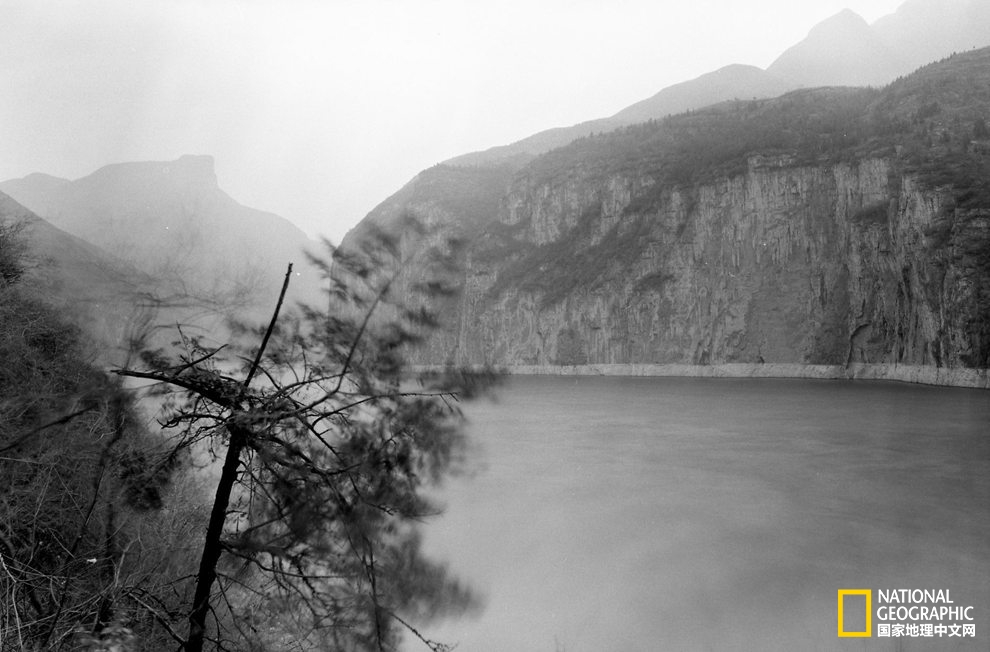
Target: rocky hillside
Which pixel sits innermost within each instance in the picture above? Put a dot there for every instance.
(827, 226)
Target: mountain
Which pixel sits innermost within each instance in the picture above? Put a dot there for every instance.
(728, 83)
(842, 50)
(847, 228)
(171, 220)
(921, 31)
(105, 297)
(734, 82)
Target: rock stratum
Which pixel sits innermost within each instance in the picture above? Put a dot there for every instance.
(839, 229)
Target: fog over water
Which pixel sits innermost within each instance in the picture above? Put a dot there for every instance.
(714, 514)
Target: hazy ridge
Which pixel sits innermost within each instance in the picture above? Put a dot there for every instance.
(842, 51)
(171, 221)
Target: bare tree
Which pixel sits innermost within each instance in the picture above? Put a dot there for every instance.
(328, 440)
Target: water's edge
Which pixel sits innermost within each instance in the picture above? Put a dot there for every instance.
(923, 375)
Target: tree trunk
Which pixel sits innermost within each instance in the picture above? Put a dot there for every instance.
(212, 545)
(218, 516)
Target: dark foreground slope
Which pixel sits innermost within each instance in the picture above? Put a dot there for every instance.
(829, 226)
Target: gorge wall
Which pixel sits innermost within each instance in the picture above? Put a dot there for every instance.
(782, 264)
(828, 232)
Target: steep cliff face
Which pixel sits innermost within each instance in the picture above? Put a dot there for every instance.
(814, 265)
(833, 227)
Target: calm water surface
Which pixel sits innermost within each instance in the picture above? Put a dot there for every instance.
(713, 514)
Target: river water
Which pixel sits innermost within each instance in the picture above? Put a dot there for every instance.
(648, 514)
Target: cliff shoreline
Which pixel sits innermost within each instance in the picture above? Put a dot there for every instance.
(917, 374)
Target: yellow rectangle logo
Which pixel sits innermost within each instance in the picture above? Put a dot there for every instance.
(869, 599)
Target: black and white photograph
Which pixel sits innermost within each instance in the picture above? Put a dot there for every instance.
(513, 326)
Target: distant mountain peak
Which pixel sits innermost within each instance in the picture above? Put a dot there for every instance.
(838, 33)
(842, 50)
(841, 27)
(187, 172)
(172, 220)
(197, 163)
(41, 177)
(199, 167)
(922, 31)
(845, 18)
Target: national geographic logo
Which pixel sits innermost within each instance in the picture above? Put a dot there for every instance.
(866, 631)
(915, 613)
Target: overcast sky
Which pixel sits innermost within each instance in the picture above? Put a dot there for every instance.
(318, 111)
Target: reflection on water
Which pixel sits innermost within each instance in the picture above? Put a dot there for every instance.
(714, 514)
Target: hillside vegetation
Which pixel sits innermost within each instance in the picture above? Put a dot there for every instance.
(85, 543)
(932, 121)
